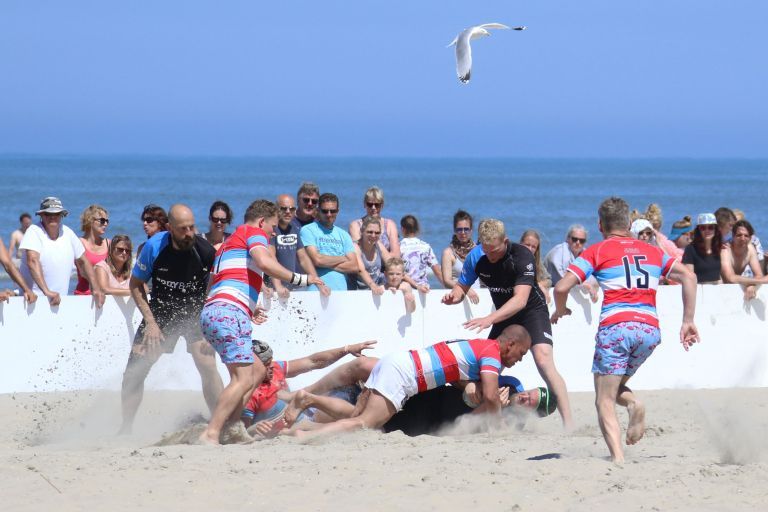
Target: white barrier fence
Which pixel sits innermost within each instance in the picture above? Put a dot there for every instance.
(75, 346)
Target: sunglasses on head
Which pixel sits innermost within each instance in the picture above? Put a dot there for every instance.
(219, 220)
(373, 205)
(462, 230)
(309, 200)
(287, 209)
(579, 240)
(329, 211)
(101, 221)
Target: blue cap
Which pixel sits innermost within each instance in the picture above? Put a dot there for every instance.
(508, 381)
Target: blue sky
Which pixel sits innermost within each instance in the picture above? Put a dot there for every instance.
(651, 78)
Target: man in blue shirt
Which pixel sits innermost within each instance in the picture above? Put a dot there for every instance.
(329, 247)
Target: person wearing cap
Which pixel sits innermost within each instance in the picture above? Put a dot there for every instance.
(49, 252)
(629, 271)
(403, 374)
(679, 238)
(270, 400)
(432, 410)
(642, 230)
(702, 256)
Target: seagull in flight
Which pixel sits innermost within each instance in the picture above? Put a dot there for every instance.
(464, 50)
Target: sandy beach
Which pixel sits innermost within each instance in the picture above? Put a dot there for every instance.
(703, 450)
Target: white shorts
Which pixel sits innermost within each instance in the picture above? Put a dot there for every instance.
(394, 377)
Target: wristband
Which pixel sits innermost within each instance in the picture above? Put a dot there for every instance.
(300, 279)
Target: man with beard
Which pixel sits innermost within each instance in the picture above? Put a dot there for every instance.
(178, 262)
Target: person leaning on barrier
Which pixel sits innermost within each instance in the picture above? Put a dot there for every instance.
(738, 257)
(13, 272)
(48, 250)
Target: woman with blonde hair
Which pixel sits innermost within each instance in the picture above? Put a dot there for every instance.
(114, 272)
(373, 201)
(93, 222)
(532, 240)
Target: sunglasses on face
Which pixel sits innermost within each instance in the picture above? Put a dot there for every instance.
(373, 205)
(49, 215)
(149, 220)
(462, 230)
(122, 250)
(219, 220)
(707, 227)
(579, 240)
(101, 221)
(645, 233)
(329, 211)
(373, 233)
(309, 200)
(288, 209)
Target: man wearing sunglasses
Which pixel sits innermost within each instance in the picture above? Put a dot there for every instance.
(307, 200)
(329, 247)
(49, 250)
(560, 256)
(286, 246)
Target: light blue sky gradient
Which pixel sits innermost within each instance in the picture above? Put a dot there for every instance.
(591, 78)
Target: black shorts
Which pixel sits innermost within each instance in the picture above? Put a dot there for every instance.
(536, 322)
(189, 329)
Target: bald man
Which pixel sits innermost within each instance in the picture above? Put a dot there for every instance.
(178, 262)
(286, 246)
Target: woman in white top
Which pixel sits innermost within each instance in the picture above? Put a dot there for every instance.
(455, 254)
(114, 272)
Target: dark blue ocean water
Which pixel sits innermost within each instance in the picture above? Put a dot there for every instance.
(547, 195)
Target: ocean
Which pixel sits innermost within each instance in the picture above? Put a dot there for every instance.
(544, 194)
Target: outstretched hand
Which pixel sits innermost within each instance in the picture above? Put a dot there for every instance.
(478, 324)
(357, 349)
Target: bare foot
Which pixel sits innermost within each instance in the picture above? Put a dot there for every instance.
(205, 439)
(636, 427)
(295, 407)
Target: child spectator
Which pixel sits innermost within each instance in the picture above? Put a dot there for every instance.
(418, 254)
(394, 270)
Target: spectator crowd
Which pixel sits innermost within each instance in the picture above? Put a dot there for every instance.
(194, 284)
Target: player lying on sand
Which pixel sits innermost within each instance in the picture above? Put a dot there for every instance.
(427, 412)
(404, 374)
(269, 400)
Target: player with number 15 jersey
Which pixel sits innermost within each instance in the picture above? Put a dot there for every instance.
(628, 271)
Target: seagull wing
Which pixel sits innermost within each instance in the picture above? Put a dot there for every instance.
(493, 25)
(464, 56)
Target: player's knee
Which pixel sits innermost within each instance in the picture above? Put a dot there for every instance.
(136, 370)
